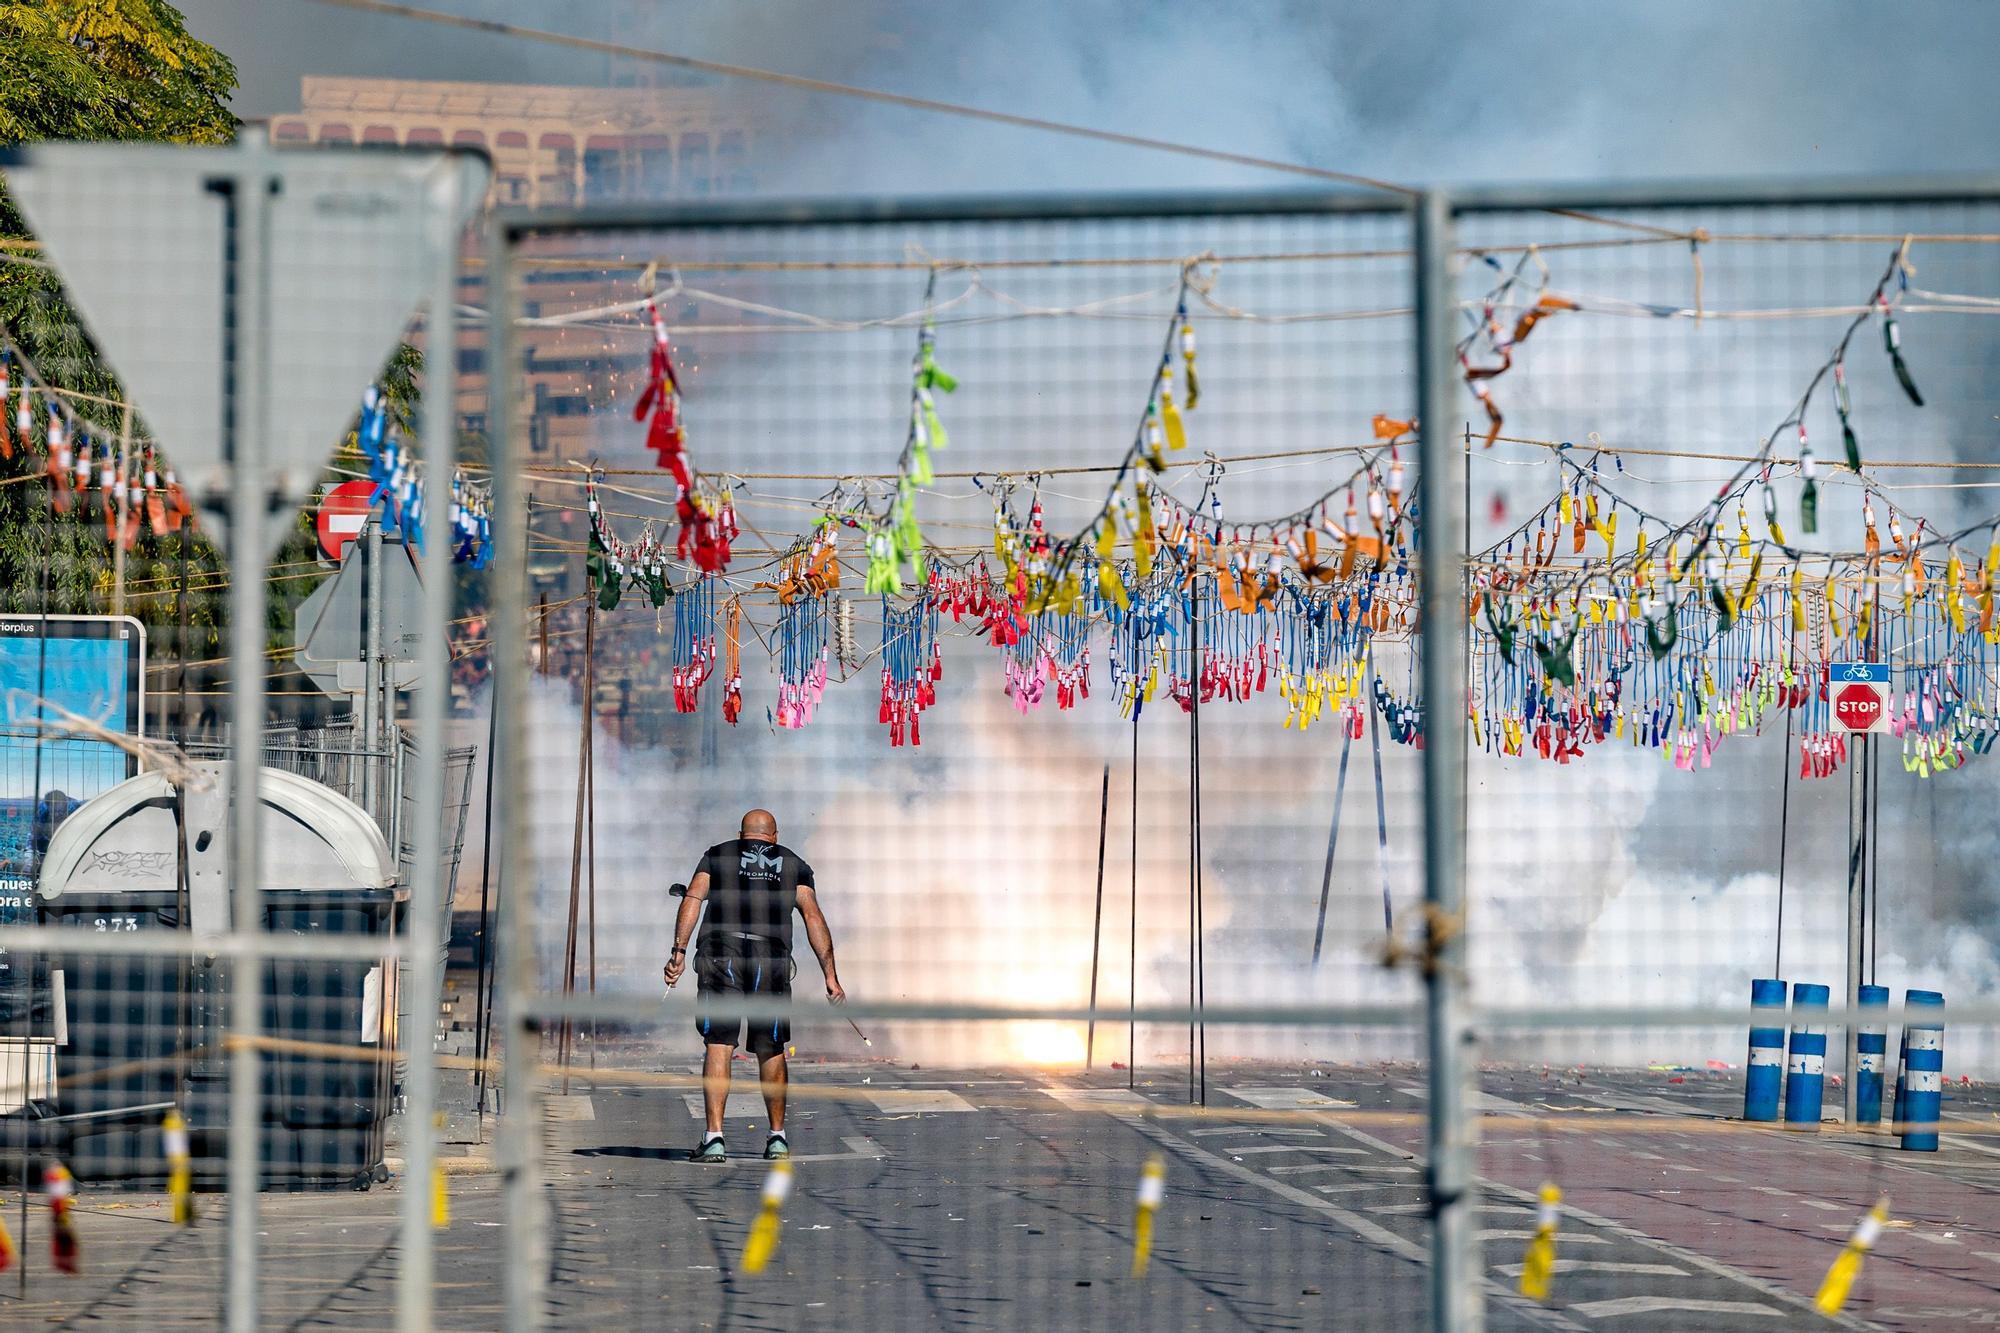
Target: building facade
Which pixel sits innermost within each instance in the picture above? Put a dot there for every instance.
(551, 146)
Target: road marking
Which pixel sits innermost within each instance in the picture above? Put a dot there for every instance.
(1373, 1185)
(1988, 1254)
(1354, 1222)
(1256, 1129)
(1511, 1209)
(1602, 1223)
(1295, 1147)
(918, 1100)
(1348, 1167)
(1081, 1098)
(1653, 1304)
(1566, 1238)
(569, 1106)
(1927, 1236)
(1824, 1206)
(1599, 1266)
(1772, 1189)
(1285, 1099)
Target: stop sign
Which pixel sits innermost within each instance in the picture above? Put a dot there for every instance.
(1858, 706)
(342, 513)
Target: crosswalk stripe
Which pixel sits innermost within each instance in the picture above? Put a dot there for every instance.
(1599, 1266)
(1655, 1304)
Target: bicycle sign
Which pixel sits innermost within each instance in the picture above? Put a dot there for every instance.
(1860, 695)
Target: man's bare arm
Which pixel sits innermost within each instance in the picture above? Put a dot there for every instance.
(821, 940)
(684, 923)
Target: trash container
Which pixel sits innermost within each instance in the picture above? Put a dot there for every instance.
(135, 1033)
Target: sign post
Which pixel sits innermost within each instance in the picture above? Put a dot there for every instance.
(1859, 692)
(219, 283)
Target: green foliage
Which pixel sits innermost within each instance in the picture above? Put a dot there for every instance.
(95, 69)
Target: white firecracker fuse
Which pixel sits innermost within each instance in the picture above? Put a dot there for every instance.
(778, 1185)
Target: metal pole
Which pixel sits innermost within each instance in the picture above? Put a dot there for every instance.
(371, 661)
(1857, 847)
(181, 605)
(1097, 919)
(482, 945)
(1332, 840)
(428, 891)
(1132, 936)
(527, 1259)
(124, 511)
(1194, 850)
(243, 427)
(1455, 1267)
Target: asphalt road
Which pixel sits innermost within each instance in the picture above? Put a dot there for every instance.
(1003, 1199)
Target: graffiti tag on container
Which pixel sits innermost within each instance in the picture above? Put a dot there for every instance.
(131, 865)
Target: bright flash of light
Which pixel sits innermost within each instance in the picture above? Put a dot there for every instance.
(1050, 1043)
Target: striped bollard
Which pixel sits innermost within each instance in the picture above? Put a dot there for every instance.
(1764, 1076)
(1871, 1049)
(1923, 1074)
(1805, 1071)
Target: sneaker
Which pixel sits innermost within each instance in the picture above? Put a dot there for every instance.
(711, 1150)
(775, 1148)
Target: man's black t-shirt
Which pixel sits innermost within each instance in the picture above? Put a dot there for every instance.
(753, 888)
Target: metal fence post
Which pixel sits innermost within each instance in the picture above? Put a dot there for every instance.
(244, 418)
(520, 1163)
(1455, 1270)
(427, 889)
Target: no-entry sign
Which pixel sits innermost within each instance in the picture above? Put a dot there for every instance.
(1860, 695)
(343, 511)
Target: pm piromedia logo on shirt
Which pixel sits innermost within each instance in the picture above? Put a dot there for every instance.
(755, 861)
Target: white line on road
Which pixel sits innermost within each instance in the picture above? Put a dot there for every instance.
(1599, 1266)
(1602, 1223)
(1285, 1099)
(1294, 1147)
(1567, 1237)
(1347, 1167)
(1368, 1230)
(1656, 1304)
(1256, 1129)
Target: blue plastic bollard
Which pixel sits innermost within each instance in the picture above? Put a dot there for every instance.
(1923, 1074)
(1805, 1071)
(1871, 1049)
(1764, 1076)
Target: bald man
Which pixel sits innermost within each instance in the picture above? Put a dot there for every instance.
(752, 885)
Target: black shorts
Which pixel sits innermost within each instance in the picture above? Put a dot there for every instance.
(732, 965)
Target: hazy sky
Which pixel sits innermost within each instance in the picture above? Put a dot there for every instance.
(1422, 90)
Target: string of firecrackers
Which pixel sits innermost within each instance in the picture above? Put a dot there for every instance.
(705, 506)
(692, 656)
(1700, 687)
(912, 664)
(895, 544)
(1040, 611)
(1880, 305)
(67, 452)
(614, 564)
(400, 488)
(1052, 578)
(1493, 339)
